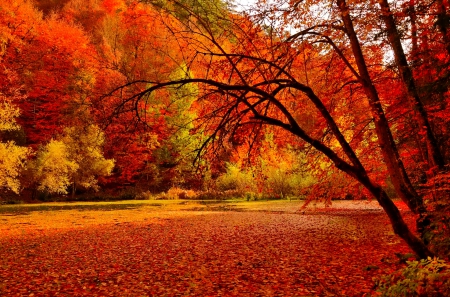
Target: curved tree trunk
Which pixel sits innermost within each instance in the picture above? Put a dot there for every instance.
(399, 177)
(350, 164)
(358, 172)
(399, 225)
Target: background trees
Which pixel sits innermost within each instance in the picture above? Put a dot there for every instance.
(312, 98)
(85, 149)
(255, 77)
(12, 156)
(48, 71)
(52, 168)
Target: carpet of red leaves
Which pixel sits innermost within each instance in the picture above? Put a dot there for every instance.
(221, 253)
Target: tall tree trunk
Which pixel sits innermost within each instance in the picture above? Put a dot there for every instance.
(443, 23)
(414, 40)
(434, 154)
(73, 191)
(399, 177)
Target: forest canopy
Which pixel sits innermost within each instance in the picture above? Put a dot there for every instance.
(310, 99)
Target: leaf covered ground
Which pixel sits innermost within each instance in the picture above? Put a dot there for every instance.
(186, 249)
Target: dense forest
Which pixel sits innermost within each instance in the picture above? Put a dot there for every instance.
(203, 98)
(67, 127)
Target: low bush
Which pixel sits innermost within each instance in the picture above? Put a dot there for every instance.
(235, 179)
(178, 193)
(146, 195)
(436, 224)
(427, 277)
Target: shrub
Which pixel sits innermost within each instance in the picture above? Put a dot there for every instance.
(145, 195)
(178, 193)
(279, 183)
(118, 195)
(427, 277)
(236, 179)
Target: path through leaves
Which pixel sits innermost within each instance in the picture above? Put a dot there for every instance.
(201, 253)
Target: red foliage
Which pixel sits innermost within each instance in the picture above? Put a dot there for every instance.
(228, 254)
(50, 58)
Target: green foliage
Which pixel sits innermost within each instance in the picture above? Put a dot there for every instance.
(280, 181)
(277, 174)
(427, 277)
(236, 179)
(176, 153)
(209, 14)
(281, 170)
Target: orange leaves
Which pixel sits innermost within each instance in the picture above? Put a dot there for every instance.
(149, 49)
(201, 254)
(112, 6)
(53, 60)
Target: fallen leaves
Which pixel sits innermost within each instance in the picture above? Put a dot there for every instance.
(163, 253)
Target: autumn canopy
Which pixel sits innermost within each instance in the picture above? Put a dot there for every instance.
(284, 99)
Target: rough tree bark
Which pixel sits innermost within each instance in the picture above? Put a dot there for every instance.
(399, 177)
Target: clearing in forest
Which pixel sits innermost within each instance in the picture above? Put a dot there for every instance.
(185, 248)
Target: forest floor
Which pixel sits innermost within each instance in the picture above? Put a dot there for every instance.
(188, 248)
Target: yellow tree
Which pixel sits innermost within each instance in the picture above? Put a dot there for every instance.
(75, 159)
(85, 148)
(52, 168)
(12, 156)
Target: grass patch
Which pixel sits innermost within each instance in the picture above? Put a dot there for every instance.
(29, 209)
(20, 209)
(203, 205)
(116, 205)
